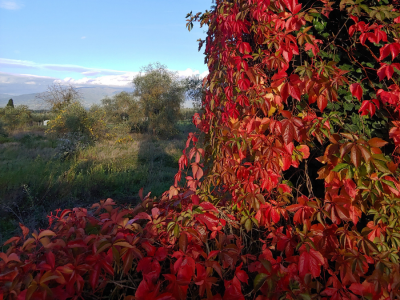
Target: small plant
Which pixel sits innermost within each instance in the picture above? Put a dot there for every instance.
(124, 140)
(70, 143)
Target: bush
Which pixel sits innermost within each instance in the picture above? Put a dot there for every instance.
(75, 119)
(15, 117)
(291, 89)
(121, 108)
(3, 132)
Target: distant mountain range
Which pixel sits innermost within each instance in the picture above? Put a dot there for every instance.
(90, 95)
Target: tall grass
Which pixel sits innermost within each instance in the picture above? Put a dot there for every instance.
(34, 181)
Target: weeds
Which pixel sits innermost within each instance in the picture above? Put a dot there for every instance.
(34, 180)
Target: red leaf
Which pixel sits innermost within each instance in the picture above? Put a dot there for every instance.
(161, 254)
(356, 90)
(233, 290)
(377, 142)
(76, 244)
(147, 290)
(385, 70)
(177, 290)
(287, 131)
(304, 150)
(322, 102)
(241, 275)
(285, 92)
(294, 91)
(149, 266)
(208, 206)
(140, 216)
(185, 268)
(355, 156)
(208, 219)
(94, 276)
(25, 230)
(393, 49)
(310, 262)
(183, 242)
(9, 276)
(350, 187)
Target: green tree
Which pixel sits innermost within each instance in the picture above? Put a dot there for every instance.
(15, 117)
(10, 103)
(194, 90)
(58, 96)
(122, 107)
(160, 95)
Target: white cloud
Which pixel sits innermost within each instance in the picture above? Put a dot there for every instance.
(23, 83)
(16, 63)
(5, 62)
(189, 72)
(84, 37)
(92, 77)
(204, 74)
(106, 74)
(123, 80)
(10, 5)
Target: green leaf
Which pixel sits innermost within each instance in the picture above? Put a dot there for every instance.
(389, 183)
(247, 225)
(340, 167)
(259, 281)
(305, 296)
(380, 165)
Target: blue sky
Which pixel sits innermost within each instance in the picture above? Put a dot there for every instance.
(97, 41)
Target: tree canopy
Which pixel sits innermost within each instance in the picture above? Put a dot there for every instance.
(160, 96)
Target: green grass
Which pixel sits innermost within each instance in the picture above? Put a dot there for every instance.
(33, 181)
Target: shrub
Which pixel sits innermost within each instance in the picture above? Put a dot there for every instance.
(15, 117)
(75, 119)
(292, 89)
(121, 108)
(3, 132)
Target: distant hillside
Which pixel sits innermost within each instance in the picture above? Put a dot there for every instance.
(93, 95)
(26, 99)
(90, 95)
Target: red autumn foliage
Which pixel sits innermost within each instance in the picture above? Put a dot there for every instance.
(253, 220)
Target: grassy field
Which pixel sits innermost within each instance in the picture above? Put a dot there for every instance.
(35, 181)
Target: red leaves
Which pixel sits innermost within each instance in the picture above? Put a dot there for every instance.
(376, 230)
(393, 49)
(310, 262)
(184, 267)
(244, 82)
(244, 48)
(208, 219)
(258, 131)
(292, 6)
(303, 211)
(322, 102)
(204, 280)
(387, 70)
(368, 107)
(377, 142)
(197, 171)
(291, 129)
(178, 291)
(337, 206)
(147, 290)
(356, 90)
